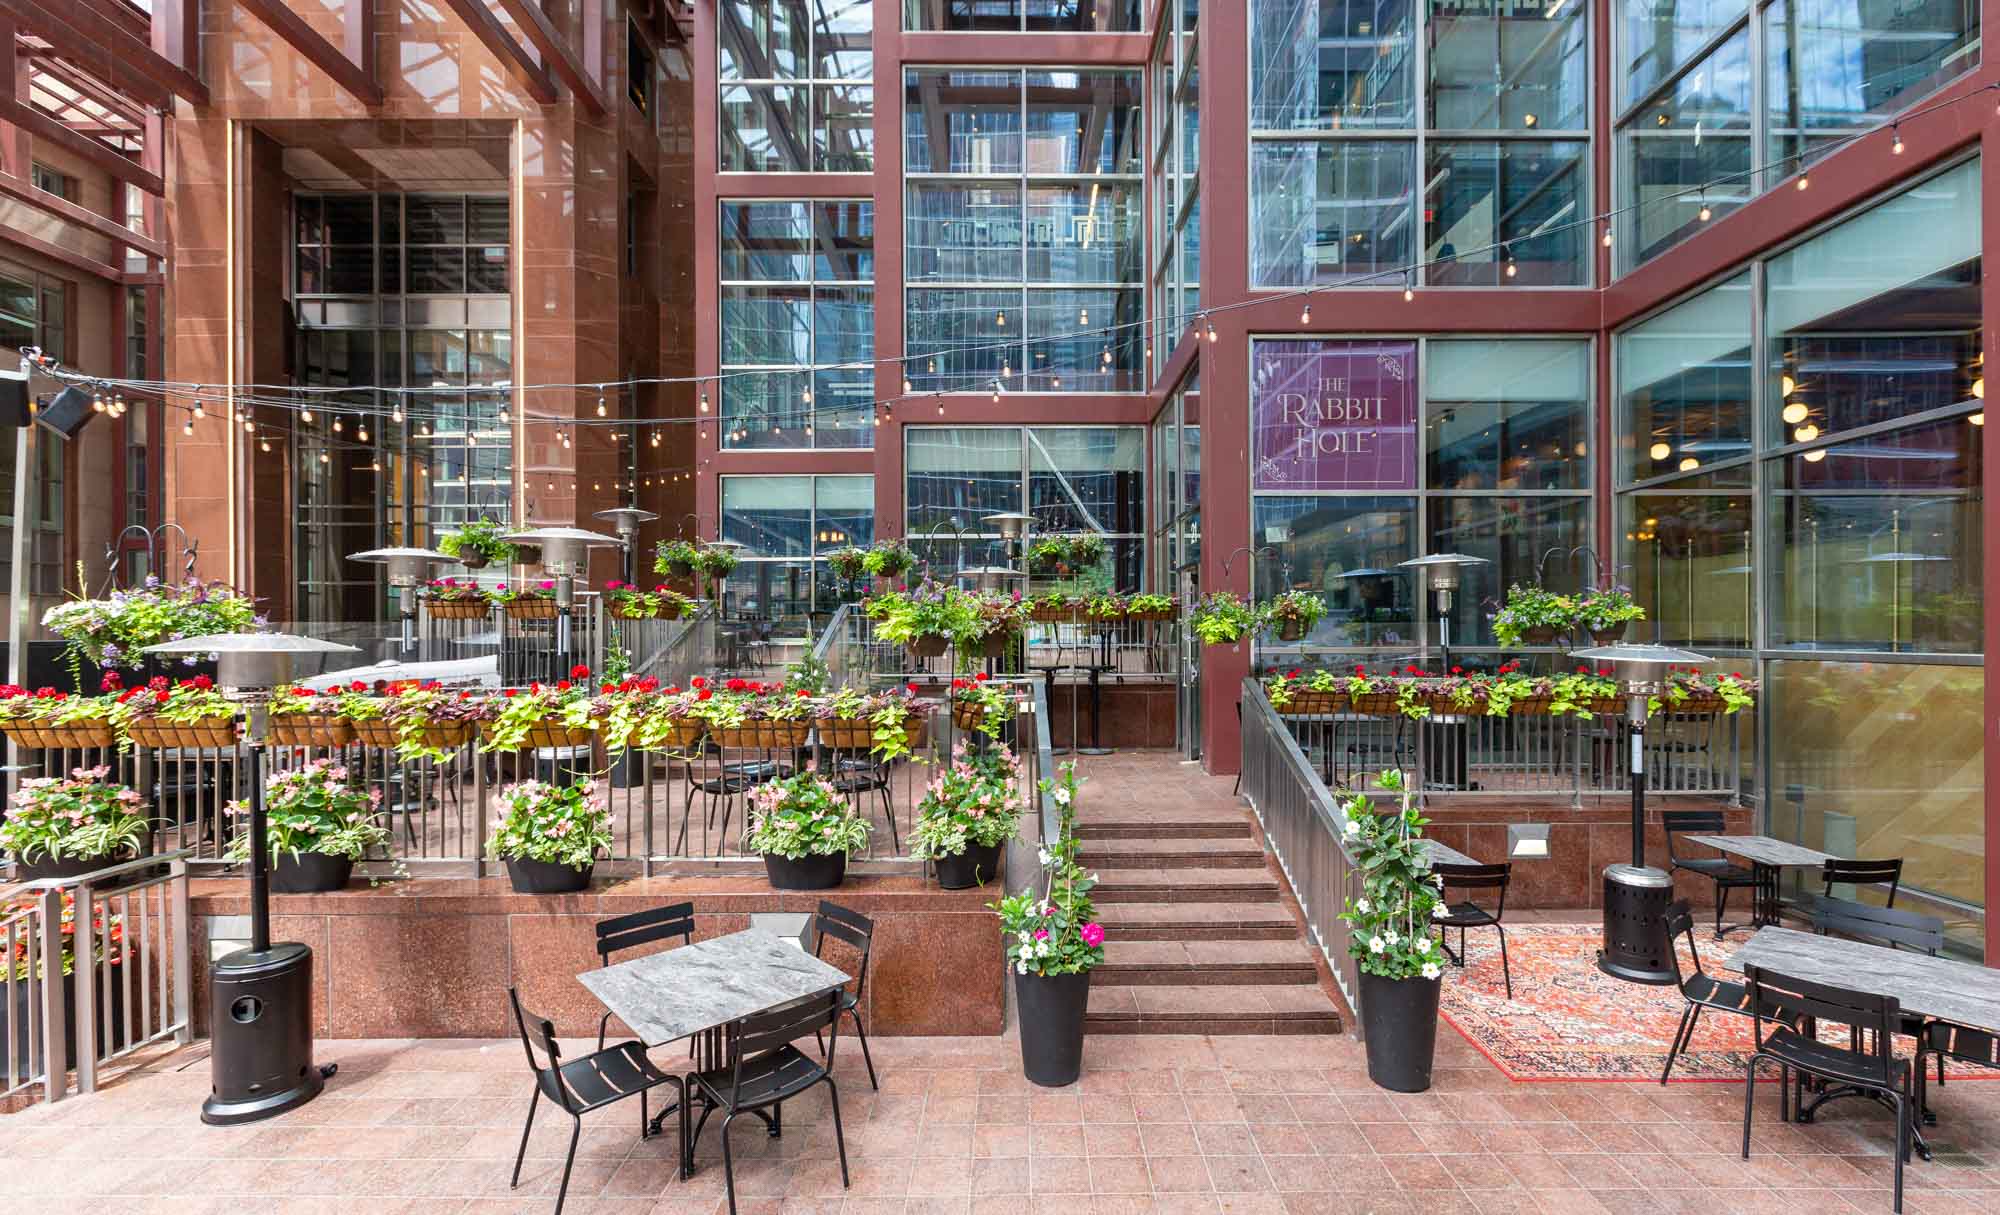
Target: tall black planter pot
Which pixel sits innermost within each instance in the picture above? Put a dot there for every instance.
(65, 867)
(1399, 1023)
(15, 1021)
(547, 877)
(807, 872)
(1052, 1009)
(310, 873)
(976, 866)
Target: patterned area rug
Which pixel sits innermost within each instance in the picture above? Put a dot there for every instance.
(1570, 1021)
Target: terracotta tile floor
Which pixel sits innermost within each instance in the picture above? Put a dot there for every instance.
(1160, 1124)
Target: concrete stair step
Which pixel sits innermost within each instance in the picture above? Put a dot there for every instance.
(1198, 922)
(1170, 829)
(1184, 885)
(1174, 853)
(1205, 963)
(1275, 1008)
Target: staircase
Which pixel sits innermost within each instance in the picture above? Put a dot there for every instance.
(1199, 935)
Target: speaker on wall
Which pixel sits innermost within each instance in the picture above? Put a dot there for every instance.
(66, 412)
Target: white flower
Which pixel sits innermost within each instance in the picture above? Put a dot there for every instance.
(1042, 855)
(1363, 906)
(1437, 911)
(1352, 827)
(1062, 797)
(1390, 936)
(1431, 970)
(1026, 938)
(1375, 945)
(1423, 944)
(1020, 968)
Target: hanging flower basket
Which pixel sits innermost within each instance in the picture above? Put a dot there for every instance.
(205, 732)
(374, 733)
(1291, 630)
(967, 714)
(73, 736)
(1151, 614)
(531, 608)
(994, 645)
(1446, 705)
(627, 610)
(1315, 704)
(847, 733)
(1540, 634)
(670, 609)
(549, 732)
(929, 645)
(1697, 704)
(1530, 706)
(457, 609)
(1607, 706)
(1610, 636)
(1048, 613)
(311, 730)
(764, 735)
(1376, 704)
(681, 735)
(472, 559)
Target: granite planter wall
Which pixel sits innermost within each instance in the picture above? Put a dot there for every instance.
(434, 957)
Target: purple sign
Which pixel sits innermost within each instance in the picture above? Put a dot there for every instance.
(1334, 415)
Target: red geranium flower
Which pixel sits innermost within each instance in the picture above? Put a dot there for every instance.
(699, 681)
(579, 671)
(562, 685)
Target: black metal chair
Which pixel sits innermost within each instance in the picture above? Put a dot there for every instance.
(1864, 873)
(1873, 1069)
(1700, 989)
(582, 1085)
(857, 932)
(1725, 873)
(762, 1070)
(622, 932)
(1942, 1040)
(1884, 926)
(1467, 914)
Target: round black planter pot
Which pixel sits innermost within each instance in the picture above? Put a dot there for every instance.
(807, 872)
(1052, 1008)
(310, 873)
(16, 1020)
(976, 866)
(547, 877)
(1399, 1023)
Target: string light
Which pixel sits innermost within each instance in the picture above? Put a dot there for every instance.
(600, 406)
(361, 432)
(1605, 240)
(188, 429)
(704, 400)
(1083, 315)
(336, 424)
(1660, 451)
(199, 412)
(1803, 181)
(1895, 140)
(906, 385)
(305, 415)
(396, 411)
(263, 445)
(1211, 332)
(1000, 319)
(1508, 254)
(1306, 313)
(1409, 291)
(97, 403)
(1704, 214)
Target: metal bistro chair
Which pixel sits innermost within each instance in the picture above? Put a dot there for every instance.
(856, 931)
(1726, 874)
(1467, 914)
(1882, 926)
(1864, 873)
(762, 1070)
(640, 928)
(582, 1085)
(1874, 1070)
(1700, 989)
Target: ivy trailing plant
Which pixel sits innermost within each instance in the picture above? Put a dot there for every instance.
(1222, 618)
(891, 716)
(1607, 609)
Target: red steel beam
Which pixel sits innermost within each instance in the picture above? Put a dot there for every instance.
(324, 55)
(82, 217)
(43, 127)
(535, 23)
(55, 252)
(104, 50)
(487, 28)
(47, 63)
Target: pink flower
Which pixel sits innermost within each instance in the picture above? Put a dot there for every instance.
(1041, 934)
(1093, 935)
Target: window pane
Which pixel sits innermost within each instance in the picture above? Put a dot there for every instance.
(350, 218)
(1083, 122)
(1083, 16)
(1334, 63)
(1684, 384)
(763, 39)
(1878, 318)
(434, 221)
(486, 221)
(1512, 533)
(1347, 549)
(350, 271)
(1697, 133)
(1329, 211)
(1830, 733)
(962, 14)
(962, 122)
(1688, 558)
(764, 241)
(845, 511)
(1087, 478)
(958, 475)
(955, 340)
(843, 407)
(963, 232)
(844, 327)
(843, 128)
(1508, 69)
(1508, 415)
(1659, 35)
(766, 410)
(766, 325)
(1084, 233)
(1834, 66)
(486, 270)
(1492, 199)
(842, 42)
(1073, 359)
(769, 516)
(1881, 543)
(844, 241)
(764, 129)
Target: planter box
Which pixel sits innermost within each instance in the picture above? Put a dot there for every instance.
(76, 735)
(807, 872)
(457, 609)
(310, 873)
(764, 735)
(547, 877)
(531, 608)
(1314, 704)
(311, 730)
(207, 732)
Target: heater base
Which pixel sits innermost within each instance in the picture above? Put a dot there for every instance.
(220, 1111)
(1636, 948)
(260, 1035)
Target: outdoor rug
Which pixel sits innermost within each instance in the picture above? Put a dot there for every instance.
(1570, 1021)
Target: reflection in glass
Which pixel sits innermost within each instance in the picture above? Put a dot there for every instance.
(1659, 35)
(1508, 415)
(958, 475)
(1512, 533)
(1508, 69)
(1513, 204)
(843, 128)
(1329, 212)
(1688, 560)
(1086, 478)
(1348, 550)
(1083, 122)
(955, 337)
(765, 129)
(1697, 133)
(765, 241)
(963, 232)
(1684, 384)
(1068, 353)
(1083, 232)
(1834, 66)
(961, 121)
(1887, 759)
(1330, 64)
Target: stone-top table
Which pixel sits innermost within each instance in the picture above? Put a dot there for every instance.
(677, 993)
(1959, 992)
(1444, 854)
(1766, 856)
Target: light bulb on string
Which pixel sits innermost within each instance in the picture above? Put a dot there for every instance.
(1803, 181)
(1306, 313)
(1211, 332)
(600, 407)
(305, 415)
(361, 432)
(97, 403)
(324, 458)
(1508, 254)
(1660, 450)
(1605, 240)
(1815, 456)
(263, 445)
(1895, 140)
(337, 427)
(1107, 356)
(188, 428)
(396, 412)
(1056, 381)
(1083, 315)
(906, 386)
(1409, 290)
(704, 400)
(1689, 464)
(1704, 214)
(1000, 319)
(199, 412)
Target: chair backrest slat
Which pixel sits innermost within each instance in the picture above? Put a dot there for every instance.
(1777, 996)
(1864, 873)
(543, 1037)
(1474, 876)
(850, 928)
(1697, 822)
(765, 1031)
(1680, 923)
(1885, 925)
(623, 932)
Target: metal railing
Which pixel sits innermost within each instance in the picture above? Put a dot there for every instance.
(1075, 649)
(119, 979)
(1525, 756)
(1302, 826)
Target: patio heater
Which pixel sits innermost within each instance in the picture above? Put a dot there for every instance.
(260, 998)
(1012, 526)
(1445, 571)
(408, 569)
(565, 558)
(1636, 895)
(625, 520)
(1446, 736)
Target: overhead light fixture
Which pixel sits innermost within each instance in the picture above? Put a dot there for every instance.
(1660, 451)
(1689, 464)
(1794, 413)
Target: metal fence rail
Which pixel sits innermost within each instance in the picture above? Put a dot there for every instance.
(1525, 756)
(130, 983)
(1073, 649)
